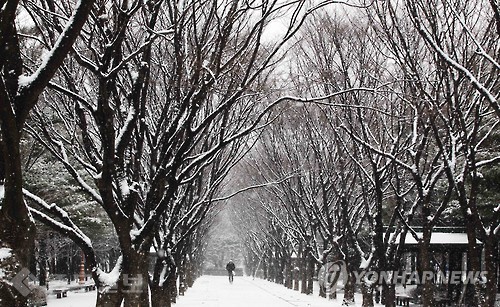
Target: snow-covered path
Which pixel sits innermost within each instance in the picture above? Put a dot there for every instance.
(216, 291)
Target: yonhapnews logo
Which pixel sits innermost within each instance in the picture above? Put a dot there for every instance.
(332, 275)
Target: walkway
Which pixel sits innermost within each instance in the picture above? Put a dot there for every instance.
(215, 291)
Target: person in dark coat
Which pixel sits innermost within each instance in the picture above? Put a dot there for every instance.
(230, 268)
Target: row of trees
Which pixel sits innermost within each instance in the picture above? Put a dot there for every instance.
(146, 105)
(416, 143)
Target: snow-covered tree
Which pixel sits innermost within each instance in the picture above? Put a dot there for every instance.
(19, 92)
(147, 110)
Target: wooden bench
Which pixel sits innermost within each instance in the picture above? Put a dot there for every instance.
(60, 293)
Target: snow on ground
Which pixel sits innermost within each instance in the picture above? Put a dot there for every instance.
(5, 253)
(74, 299)
(216, 291)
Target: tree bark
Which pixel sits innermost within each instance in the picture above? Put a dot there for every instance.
(17, 230)
(161, 296)
(389, 295)
(109, 299)
(491, 265)
(303, 272)
(296, 275)
(135, 279)
(473, 257)
(310, 274)
(289, 274)
(42, 262)
(349, 290)
(367, 292)
(425, 268)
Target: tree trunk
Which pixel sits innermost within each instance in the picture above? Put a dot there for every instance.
(349, 290)
(425, 269)
(281, 267)
(310, 274)
(473, 257)
(172, 286)
(135, 279)
(289, 274)
(303, 273)
(113, 298)
(161, 286)
(17, 230)
(296, 275)
(367, 291)
(491, 265)
(132, 287)
(182, 278)
(42, 262)
(160, 296)
(389, 295)
(189, 273)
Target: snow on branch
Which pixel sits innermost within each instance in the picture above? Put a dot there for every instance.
(83, 242)
(254, 125)
(109, 280)
(454, 64)
(488, 162)
(62, 156)
(30, 87)
(75, 174)
(67, 224)
(270, 183)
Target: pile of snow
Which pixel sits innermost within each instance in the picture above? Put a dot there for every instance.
(5, 252)
(109, 280)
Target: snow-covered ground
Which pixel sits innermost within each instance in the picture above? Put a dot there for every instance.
(212, 291)
(216, 291)
(74, 299)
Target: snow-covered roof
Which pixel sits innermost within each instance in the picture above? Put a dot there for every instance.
(449, 238)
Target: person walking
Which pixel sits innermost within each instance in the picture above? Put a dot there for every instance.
(230, 269)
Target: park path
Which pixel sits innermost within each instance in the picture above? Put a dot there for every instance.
(216, 291)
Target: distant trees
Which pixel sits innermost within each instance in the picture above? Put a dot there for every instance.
(417, 134)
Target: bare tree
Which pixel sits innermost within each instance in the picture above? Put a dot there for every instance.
(147, 140)
(459, 81)
(20, 90)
